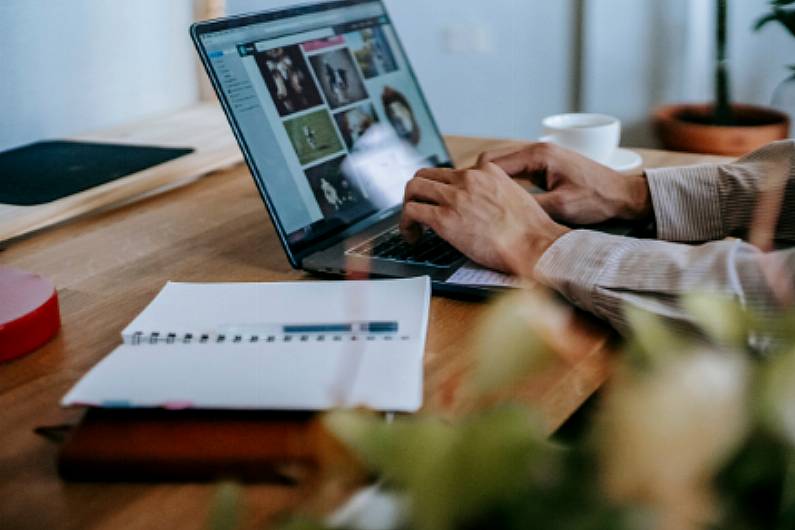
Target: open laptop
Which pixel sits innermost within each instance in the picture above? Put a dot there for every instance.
(333, 124)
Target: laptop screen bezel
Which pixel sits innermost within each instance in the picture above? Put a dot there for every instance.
(296, 252)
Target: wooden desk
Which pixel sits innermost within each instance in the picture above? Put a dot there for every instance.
(108, 266)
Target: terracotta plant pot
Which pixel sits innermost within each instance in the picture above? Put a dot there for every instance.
(687, 127)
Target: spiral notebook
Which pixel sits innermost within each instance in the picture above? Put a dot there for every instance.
(269, 346)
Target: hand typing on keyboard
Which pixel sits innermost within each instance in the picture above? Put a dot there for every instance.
(483, 213)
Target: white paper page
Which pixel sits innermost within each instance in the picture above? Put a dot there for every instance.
(382, 375)
(475, 275)
(379, 371)
(182, 308)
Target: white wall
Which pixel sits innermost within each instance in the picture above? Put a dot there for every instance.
(511, 70)
(76, 65)
(641, 53)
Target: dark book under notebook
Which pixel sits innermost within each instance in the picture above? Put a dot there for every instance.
(178, 446)
(47, 171)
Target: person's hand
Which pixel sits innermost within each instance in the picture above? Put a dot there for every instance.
(483, 213)
(579, 191)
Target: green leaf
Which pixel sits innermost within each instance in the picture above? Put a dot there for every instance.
(509, 344)
(787, 511)
(764, 20)
(365, 433)
(776, 395)
(751, 484)
(779, 327)
(653, 343)
(721, 317)
(785, 16)
(489, 458)
(452, 473)
(225, 510)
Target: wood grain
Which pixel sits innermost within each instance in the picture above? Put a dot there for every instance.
(108, 266)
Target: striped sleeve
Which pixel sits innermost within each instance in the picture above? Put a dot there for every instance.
(603, 274)
(706, 203)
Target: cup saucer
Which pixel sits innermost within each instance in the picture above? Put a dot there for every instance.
(621, 159)
(624, 160)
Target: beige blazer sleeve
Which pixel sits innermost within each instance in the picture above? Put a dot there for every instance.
(603, 273)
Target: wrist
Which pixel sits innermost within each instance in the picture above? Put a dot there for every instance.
(637, 199)
(536, 244)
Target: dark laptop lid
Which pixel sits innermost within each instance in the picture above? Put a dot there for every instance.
(327, 111)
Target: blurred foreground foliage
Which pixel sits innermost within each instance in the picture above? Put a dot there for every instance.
(695, 431)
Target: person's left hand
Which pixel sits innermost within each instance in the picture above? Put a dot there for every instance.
(482, 212)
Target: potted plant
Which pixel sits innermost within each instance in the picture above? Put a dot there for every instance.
(721, 127)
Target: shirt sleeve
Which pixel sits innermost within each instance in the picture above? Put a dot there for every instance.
(712, 202)
(602, 274)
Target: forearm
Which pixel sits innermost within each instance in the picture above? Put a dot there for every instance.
(602, 274)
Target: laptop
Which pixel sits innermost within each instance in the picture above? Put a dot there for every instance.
(333, 124)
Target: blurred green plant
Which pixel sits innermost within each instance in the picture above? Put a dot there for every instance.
(694, 432)
(226, 509)
(783, 12)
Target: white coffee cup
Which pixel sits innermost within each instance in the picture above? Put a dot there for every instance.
(596, 136)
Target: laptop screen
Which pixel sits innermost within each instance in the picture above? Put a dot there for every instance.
(329, 112)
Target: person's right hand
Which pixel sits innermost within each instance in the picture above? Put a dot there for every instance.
(579, 191)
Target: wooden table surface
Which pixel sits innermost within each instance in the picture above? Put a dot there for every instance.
(109, 265)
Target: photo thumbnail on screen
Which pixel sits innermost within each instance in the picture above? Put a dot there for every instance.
(354, 123)
(372, 51)
(338, 77)
(401, 115)
(313, 136)
(288, 79)
(335, 193)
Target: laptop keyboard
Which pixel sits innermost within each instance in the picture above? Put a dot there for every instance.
(430, 250)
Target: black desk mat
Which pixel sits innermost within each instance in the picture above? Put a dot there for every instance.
(47, 171)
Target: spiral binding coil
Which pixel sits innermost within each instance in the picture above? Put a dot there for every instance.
(156, 337)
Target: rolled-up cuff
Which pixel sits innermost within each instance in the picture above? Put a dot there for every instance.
(573, 264)
(686, 203)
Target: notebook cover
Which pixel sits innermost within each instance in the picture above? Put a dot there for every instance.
(47, 171)
(162, 445)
